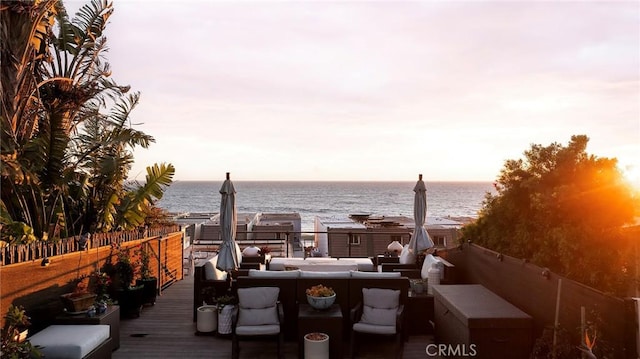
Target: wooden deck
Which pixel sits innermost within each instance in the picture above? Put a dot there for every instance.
(166, 330)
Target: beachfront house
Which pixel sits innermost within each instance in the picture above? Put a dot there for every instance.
(210, 230)
(368, 235)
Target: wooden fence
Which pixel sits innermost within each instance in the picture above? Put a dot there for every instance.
(538, 292)
(37, 288)
(19, 253)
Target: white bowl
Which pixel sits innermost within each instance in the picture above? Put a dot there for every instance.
(321, 303)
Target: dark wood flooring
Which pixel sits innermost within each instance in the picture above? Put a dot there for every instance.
(166, 330)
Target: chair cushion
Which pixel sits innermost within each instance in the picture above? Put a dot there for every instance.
(380, 306)
(211, 272)
(358, 274)
(274, 274)
(407, 256)
(69, 341)
(429, 260)
(312, 274)
(257, 329)
(374, 329)
(258, 306)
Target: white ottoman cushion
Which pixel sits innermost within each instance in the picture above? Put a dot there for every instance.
(69, 341)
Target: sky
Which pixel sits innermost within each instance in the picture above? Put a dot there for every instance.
(375, 91)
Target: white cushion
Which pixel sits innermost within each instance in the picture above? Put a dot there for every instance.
(258, 329)
(258, 306)
(313, 274)
(213, 273)
(407, 256)
(274, 273)
(357, 274)
(430, 259)
(379, 306)
(319, 259)
(69, 341)
(374, 329)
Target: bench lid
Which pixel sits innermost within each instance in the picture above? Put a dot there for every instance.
(478, 307)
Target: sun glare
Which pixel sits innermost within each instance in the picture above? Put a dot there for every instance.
(632, 174)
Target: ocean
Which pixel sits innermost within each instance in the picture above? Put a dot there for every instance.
(311, 199)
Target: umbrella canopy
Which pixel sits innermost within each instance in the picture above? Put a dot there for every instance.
(420, 239)
(228, 254)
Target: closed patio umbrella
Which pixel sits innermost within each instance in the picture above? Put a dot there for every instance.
(228, 254)
(420, 239)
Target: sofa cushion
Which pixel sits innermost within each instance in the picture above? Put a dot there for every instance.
(379, 306)
(274, 273)
(69, 341)
(358, 274)
(407, 256)
(258, 306)
(211, 272)
(313, 274)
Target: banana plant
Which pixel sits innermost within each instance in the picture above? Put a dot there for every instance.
(64, 160)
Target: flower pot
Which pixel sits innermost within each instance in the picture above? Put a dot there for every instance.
(207, 319)
(224, 319)
(130, 301)
(316, 346)
(149, 291)
(321, 303)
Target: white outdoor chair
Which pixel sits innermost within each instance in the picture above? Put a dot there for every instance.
(259, 313)
(379, 313)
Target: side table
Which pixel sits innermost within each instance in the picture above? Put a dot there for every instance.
(111, 317)
(327, 321)
(419, 313)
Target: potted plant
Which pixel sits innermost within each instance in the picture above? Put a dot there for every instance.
(101, 282)
(320, 297)
(147, 280)
(316, 345)
(14, 335)
(226, 306)
(128, 297)
(80, 299)
(264, 253)
(207, 313)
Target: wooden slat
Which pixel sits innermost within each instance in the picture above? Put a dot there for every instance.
(166, 330)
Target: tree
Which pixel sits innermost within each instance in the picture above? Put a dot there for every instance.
(66, 139)
(564, 209)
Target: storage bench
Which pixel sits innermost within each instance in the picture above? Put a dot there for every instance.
(480, 322)
(74, 341)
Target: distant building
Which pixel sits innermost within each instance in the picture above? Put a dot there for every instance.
(276, 226)
(368, 235)
(210, 230)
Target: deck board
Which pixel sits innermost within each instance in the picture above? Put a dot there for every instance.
(166, 330)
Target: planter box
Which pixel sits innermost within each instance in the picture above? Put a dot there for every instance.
(77, 304)
(480, 323)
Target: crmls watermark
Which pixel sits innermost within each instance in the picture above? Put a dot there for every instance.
(450, 350)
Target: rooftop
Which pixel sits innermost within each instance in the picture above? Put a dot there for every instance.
(166, 330)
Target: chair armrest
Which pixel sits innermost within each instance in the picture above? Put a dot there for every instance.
(400, 317)
(234, 317)
(356, 313)
(280, 312)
